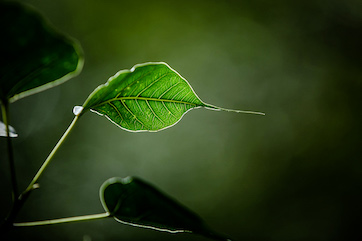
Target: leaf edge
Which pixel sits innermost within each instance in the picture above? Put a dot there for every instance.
(85, 108)
(127, 180)
(66, 38)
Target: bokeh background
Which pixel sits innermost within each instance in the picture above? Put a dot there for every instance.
(294, 174)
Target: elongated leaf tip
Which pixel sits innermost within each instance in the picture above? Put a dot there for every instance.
(246, 112)
(212, 107)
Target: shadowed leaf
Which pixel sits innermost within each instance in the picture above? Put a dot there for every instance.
(149, 97)
(34, 57)
(135, 202)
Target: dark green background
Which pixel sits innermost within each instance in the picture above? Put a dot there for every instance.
(294, 174)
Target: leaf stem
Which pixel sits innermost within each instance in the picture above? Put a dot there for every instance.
(33, 185)
(63, 220)
(20, 200)
(5, 116)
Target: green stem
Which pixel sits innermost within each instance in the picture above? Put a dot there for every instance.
(33, 185)
(14, 183)
(20, 200)
(63, 220)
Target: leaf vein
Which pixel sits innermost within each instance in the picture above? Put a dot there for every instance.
(125, 106)
(168, 90)
(132, 83)
(119, 113)
(154, 113)
(162, 76)
(177, 93)
(163, 103)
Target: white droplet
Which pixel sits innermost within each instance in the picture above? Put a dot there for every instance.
(77, 110)
(12, 132)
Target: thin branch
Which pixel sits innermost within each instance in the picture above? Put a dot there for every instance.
(20, 200)
(63, 220)
(50, 157)
(14, 183)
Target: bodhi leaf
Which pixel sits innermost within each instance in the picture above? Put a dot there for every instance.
(33, 56)
(149, 97)
(134, 202)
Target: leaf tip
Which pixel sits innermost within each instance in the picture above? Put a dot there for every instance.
(212, 107)
(126, 180)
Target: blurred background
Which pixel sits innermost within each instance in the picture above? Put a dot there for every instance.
(294, 174)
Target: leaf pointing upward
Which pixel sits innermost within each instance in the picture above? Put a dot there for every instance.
(149, 97)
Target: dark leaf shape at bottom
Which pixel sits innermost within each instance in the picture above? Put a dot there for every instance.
(135, 202)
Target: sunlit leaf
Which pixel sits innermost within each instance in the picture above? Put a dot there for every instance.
(149, 97)
(12, 132)
(134, 202)
(33, 56)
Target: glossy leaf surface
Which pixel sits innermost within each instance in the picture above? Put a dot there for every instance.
(33, 56)
(135, 202)
(149, 97)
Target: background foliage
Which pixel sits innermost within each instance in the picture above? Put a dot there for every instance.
(294, 174)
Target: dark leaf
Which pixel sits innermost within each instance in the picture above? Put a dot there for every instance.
(135, 202)
(34, 57)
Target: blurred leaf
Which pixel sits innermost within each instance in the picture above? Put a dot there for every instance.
(149, 97)
(12, 131)
(34, 57)
(134, 202)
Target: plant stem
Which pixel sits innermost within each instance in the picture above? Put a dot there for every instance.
(14, 184)
(20, 200)
(50, 157)
(63, 220)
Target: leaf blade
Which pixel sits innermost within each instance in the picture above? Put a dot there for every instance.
(149, 97)
(134, 202)
(34, 57)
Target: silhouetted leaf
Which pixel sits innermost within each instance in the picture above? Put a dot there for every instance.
(34, 57)
(149, 97)
(135, 202)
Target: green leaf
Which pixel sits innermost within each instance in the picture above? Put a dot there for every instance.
(149, 97)
(134, 202)
(12, 132)
(34, 56)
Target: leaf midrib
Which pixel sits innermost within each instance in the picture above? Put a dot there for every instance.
(145, 99)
